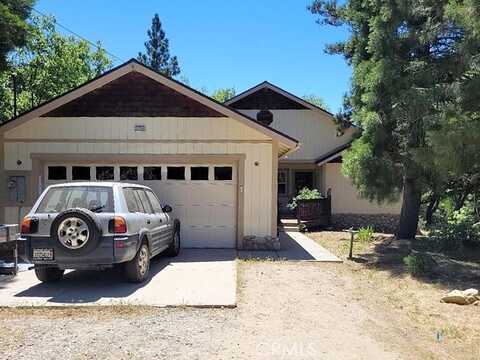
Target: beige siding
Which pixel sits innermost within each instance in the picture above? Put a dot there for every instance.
(345, 199)
(222, 136)
(315, 130)
(124, 128)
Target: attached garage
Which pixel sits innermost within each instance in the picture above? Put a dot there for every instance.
(203, 195)
(216, 167)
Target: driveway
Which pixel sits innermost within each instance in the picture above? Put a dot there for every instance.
(197, 277)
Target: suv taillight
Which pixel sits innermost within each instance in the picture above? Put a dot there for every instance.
(29, 226)
(118, 225)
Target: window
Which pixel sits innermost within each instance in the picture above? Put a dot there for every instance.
(144, 201)
(176, 172)
(95, 198)
(128, 173)
(80, 172)
(282, 182)
(131, 200)
(223, 173)
(57, 173)
(154, 202)
(199, 173)
(152, 173)
(104, 173)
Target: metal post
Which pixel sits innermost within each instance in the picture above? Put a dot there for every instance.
(352, 234)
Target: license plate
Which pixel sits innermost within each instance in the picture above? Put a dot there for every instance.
(42, 254)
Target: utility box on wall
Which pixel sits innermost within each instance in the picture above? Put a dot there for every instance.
(17, 188)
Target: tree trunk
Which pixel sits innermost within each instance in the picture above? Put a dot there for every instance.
(412, 194)
(431, 208)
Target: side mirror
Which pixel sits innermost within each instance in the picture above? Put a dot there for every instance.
(167, 209)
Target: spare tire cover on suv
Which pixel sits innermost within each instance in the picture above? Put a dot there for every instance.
(76, 231)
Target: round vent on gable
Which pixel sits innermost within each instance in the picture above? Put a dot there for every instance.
(265, 117)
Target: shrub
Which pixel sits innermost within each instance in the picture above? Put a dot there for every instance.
(417, 264)
(457, 229)
(304, 194)
(365, 234)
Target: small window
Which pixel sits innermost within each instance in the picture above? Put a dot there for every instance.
(223, 173)
(128, 173)
(57, 173)
(199, 172)
(104, 173)
(81, 173)
(154, 202)
(131, 200)
(144, 201)
(176, 172)
(152, 173)
(282, 182)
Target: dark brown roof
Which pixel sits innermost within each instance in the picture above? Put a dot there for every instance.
(133, 94)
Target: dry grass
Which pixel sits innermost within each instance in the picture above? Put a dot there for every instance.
(451, 331)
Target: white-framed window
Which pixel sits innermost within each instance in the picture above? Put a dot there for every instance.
(282, 181)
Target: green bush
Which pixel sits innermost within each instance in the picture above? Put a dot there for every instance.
(365, 234)
(304, 194)
(457, 229)
(417, 264)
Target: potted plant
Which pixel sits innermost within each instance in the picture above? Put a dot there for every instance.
(311, 208)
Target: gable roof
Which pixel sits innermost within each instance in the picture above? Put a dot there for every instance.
(331, 155)
(266, 85)
(134, 66)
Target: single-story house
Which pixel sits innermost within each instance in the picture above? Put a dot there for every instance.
(224, 168)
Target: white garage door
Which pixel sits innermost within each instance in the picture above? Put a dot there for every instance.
(203, 196)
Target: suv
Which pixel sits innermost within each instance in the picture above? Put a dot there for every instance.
(93, 225)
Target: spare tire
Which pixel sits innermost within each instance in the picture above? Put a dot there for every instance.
(76, 231)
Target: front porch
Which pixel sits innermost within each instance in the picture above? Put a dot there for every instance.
(294, 176)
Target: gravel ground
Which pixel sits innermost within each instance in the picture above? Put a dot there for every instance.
(285, 311)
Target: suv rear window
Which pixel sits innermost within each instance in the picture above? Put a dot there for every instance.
(95, 198)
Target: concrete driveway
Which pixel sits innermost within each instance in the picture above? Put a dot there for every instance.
(197, 277)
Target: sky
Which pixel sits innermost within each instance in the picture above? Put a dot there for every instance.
(236, 43)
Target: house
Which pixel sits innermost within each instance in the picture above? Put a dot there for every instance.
(215, 164)
(317, 162)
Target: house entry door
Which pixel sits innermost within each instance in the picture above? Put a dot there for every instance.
(303, 179)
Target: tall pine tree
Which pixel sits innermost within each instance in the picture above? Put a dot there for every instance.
(13, 26)
(157, 54)
(415, 66)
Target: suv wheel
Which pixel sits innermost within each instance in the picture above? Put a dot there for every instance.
(174, 248)
(136, 270)
(49, 274)
(77, 231)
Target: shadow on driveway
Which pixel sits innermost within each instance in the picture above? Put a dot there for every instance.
(294, 246)
(189, 274)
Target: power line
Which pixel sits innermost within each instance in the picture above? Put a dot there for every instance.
(79, 36)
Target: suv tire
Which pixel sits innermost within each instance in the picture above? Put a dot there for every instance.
(174, 248)
(136, 270)
(88, 221)
(49, 274)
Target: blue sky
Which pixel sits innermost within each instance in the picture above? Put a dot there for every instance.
(221, 43)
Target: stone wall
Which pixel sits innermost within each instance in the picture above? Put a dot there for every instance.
(387, 223)
(261, 243)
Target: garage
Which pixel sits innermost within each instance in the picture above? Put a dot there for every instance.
(215, 166)
(203, 196)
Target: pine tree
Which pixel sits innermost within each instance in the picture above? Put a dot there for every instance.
(13, 26)
(157, 54)
(415, 65)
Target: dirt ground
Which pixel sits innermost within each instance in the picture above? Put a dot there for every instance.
(295, 310)
(443, 331)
